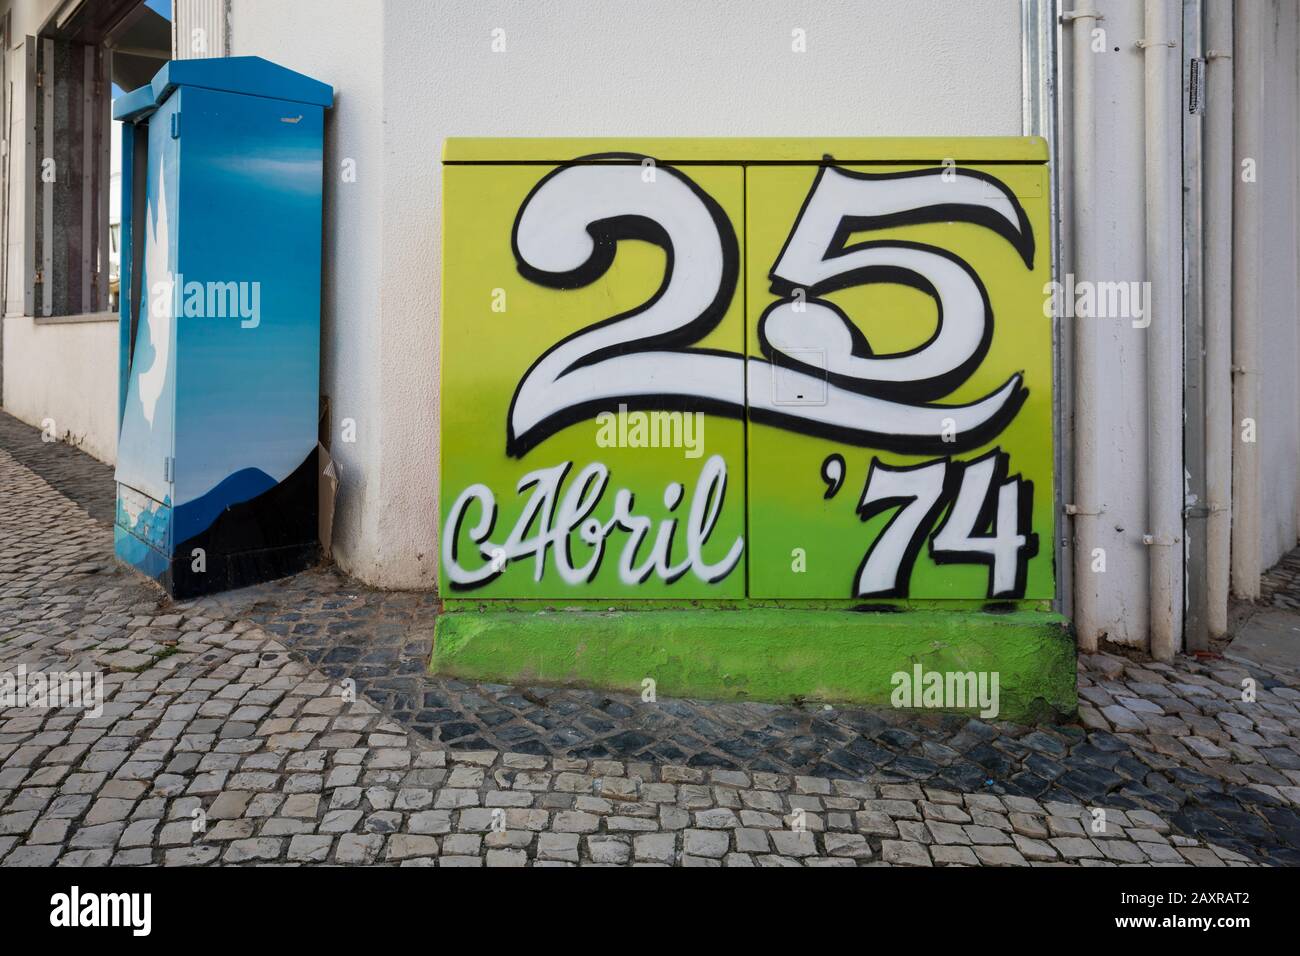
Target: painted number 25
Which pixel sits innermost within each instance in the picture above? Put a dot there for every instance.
(566, 236)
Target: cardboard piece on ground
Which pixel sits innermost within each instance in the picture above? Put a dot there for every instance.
(327, 488)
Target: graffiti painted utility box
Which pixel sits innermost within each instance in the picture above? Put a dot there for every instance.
(771, 417)
(220, 323)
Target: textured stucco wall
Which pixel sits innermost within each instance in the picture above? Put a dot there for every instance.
(410, 73)
(66, 372)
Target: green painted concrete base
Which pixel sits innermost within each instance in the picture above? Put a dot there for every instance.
(768, 654)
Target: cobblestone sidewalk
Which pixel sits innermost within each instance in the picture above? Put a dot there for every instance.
(1280, 585)
(227, 736)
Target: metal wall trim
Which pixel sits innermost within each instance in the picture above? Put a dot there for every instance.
(29, 182)
(1040, 39)
(46, 67)
(1196, 633)
(209, 16)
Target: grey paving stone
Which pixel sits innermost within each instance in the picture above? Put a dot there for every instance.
(139, 856)
(430, 821)
(229, 805)
(608, 849)
(49, 831)
(999, 856)
(792, 843)
(852, 845)
(954, 856)
(86, 857)
(32, 856)
(1160, 853)
(717, 819)
(94, 837)
(563, 846)
(1033, 849)
(261, 848)
(309, 848)
(704, 843)
(359, 848)
(576, 821)
(903, 853)
(507, 858)
(462, 844)
(1075, 848)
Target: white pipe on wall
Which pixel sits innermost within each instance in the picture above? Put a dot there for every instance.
(1087, 464)
(1163, 346)
(1247, 116)
(1219, 175)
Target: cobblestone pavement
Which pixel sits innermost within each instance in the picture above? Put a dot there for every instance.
(75, 474)
(1280, 585)
(227, 736)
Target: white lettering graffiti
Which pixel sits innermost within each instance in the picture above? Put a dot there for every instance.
(817, 373)
(566, 236)
(552, 514)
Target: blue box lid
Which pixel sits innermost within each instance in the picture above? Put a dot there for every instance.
(250, 75)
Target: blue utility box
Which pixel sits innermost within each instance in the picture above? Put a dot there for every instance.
(220, 323)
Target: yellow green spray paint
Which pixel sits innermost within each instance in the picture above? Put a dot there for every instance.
(746, 371)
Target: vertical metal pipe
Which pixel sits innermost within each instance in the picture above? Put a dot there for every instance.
(47, 189)
(1163, 347)
(1087, 235)
(1040, 83)
(30, 129)
(88, 170)
(1219, 175)
(1247, 116)
(1196, 632)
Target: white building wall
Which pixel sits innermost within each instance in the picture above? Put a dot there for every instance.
(62, 371)
(65, 375)
(415, 73)
(1118, 581)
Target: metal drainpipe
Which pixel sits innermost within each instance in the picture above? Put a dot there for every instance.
(1219, 175)
(1164, 537)
(1086, 507)
(1248, 88)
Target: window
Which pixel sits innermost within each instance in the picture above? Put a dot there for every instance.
(87, 52)
(115, 261)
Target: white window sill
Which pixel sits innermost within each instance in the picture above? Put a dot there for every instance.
(75, 319)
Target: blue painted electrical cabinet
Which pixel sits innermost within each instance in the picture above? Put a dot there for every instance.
(220, 323)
